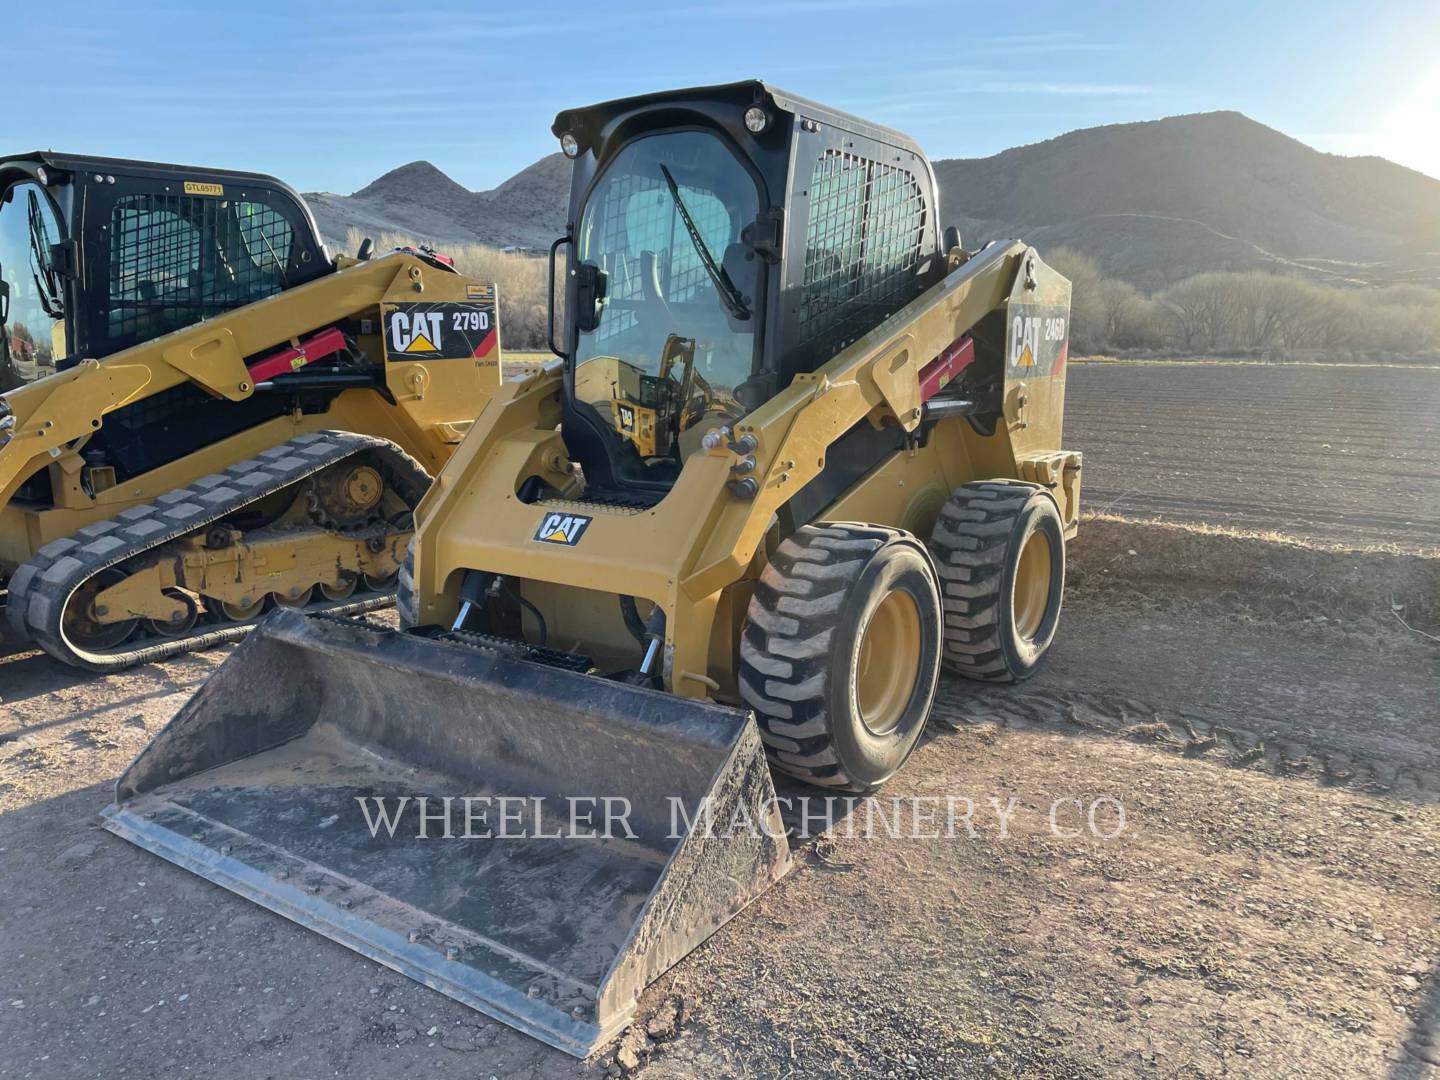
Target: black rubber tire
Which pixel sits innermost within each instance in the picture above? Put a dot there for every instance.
(977, 543)
(406, 605)
(801, 642)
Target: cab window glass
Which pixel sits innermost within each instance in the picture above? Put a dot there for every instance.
(675, 336)
(32, 333)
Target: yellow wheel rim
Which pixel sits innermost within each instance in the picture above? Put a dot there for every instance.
(889, 662)
(1031, 597)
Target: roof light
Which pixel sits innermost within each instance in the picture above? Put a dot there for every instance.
(756, 120)
(570, 145)
(42, 176)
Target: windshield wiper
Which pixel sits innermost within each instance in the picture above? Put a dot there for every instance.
(46, 280)
(729, 294)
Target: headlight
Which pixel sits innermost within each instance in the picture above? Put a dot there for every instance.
(756, 120)
(569, 145)
(42, 176)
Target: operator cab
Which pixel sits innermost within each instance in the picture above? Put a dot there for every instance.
(99, 254)
(722, 240)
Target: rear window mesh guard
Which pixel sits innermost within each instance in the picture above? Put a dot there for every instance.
(177, 259)
(862, 248)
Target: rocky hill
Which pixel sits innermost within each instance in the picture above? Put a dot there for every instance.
(419, 200)
(1160, 200)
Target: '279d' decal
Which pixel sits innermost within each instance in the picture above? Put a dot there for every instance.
(439, 331)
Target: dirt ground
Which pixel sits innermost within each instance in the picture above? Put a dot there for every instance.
(1270, 908)
(1327, 452)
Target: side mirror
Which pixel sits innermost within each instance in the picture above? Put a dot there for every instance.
(591, 286)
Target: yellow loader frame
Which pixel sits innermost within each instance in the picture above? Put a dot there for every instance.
(696, 553)
(435, 400)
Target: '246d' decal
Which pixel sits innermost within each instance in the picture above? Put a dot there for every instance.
(439, 331)
(1038, 340)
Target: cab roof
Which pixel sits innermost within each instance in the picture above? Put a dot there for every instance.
(593, 118)
(90, 163)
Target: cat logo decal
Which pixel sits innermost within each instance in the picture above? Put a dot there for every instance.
(562, 529)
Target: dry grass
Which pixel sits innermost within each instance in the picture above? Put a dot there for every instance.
(520, 280)
(1251, 314)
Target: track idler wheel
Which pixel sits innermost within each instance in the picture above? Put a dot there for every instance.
(343, 591)
(295, 598)
(240, 612)
(380, 582)
(183, 622)
(81, 621)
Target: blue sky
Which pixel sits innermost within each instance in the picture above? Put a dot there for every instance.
(330, 96)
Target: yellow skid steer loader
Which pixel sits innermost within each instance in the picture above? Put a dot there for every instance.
(803, 450)
(205, 416)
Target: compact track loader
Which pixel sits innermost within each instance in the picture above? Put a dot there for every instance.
(205, 416)
(800, 452)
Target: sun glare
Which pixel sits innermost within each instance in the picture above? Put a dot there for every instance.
(1410, 130)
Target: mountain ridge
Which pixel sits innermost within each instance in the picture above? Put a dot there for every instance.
(1153, 201)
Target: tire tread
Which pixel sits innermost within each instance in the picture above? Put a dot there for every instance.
(784, 648)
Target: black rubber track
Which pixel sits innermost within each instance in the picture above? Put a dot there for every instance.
(40, 588)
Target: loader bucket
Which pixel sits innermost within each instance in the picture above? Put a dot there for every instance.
(263, 781)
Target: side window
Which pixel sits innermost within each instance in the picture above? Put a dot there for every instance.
(267, 237)
(862, 246)
(175, 260)
(32, 328)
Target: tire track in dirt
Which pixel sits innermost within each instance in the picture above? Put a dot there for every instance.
(1262, 745)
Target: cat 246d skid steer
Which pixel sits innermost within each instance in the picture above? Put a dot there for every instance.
(204, 415)
(802, 452)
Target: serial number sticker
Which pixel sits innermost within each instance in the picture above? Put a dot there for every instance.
(194, 187)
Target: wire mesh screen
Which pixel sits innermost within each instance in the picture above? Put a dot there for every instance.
(639, 216)
(862, 248)
(176, 259)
